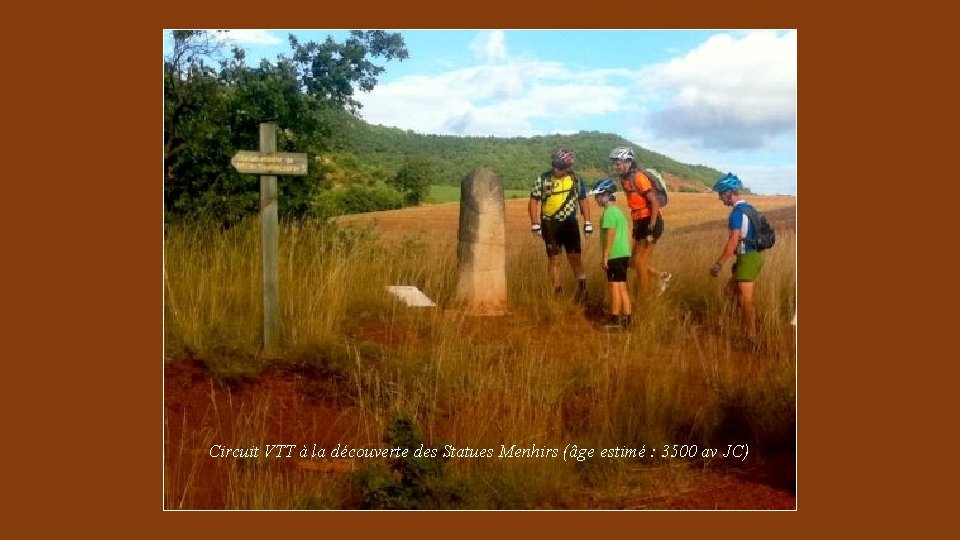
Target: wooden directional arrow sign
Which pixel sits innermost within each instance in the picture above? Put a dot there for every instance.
(273, 163)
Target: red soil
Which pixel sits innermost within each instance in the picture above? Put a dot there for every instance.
(297, 412)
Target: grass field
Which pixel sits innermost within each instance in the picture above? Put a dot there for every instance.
(358, 368)
(445, 194)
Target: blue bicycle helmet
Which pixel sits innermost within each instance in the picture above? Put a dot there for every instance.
(604, 185)
(727, 182)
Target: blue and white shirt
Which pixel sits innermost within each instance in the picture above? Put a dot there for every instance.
(740, 221)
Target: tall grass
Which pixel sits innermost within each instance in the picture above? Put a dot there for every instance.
(540, 375)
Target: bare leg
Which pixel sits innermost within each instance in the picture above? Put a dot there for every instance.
(615, 300)
(642, 258)
(554, 262)
(747, 309)
(732, 309)
(625, 304)
(733, 290)
(576, 264)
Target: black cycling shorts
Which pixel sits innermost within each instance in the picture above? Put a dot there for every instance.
(560, 235)
(617, 269)
(641, 226)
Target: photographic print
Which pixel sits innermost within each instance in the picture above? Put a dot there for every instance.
(479, 270)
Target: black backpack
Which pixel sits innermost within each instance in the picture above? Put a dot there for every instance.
(765, 235)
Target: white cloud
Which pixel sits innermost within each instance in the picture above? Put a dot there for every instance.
(251, 37)
(772, 171)
(490, 46)
(768, 179)
(732, 92)
(501, 100)
(729, 104)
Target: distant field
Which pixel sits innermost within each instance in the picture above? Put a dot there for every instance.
(443, 194)
(686, 213)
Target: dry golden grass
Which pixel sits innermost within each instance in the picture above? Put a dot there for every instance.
(540, 375)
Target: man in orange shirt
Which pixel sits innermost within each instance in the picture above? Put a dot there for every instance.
(645, 213)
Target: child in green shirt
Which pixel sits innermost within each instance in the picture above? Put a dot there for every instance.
(615, 241)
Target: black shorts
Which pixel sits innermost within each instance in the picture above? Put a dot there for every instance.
(560, 235)
(617, 269)
(641, 226)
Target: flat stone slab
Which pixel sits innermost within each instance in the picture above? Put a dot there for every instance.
(411, 295)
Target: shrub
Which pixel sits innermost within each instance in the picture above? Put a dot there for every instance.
(407, 483)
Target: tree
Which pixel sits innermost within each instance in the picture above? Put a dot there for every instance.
(414, 178)
(211, 113)
(328, 70)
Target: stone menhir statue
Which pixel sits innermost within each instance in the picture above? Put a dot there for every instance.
(482, 287)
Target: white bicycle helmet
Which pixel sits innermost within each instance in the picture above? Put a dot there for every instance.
(622, 152)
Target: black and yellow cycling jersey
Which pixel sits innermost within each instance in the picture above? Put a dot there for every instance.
(558, 196)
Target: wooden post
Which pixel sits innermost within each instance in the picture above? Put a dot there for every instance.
(269, 243)
(268, 163)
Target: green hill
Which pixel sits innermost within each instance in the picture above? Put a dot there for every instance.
(517, 160)
(211, 113)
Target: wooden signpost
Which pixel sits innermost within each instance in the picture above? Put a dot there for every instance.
(268, 163)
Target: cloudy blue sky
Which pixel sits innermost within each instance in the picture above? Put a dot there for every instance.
(725, 99)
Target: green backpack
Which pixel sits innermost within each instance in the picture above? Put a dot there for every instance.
(656, 179)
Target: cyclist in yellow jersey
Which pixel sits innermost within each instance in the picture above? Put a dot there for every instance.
(554, 200)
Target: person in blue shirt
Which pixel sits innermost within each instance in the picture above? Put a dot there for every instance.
(748, 261)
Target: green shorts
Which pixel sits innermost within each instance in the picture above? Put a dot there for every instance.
(747, 266)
